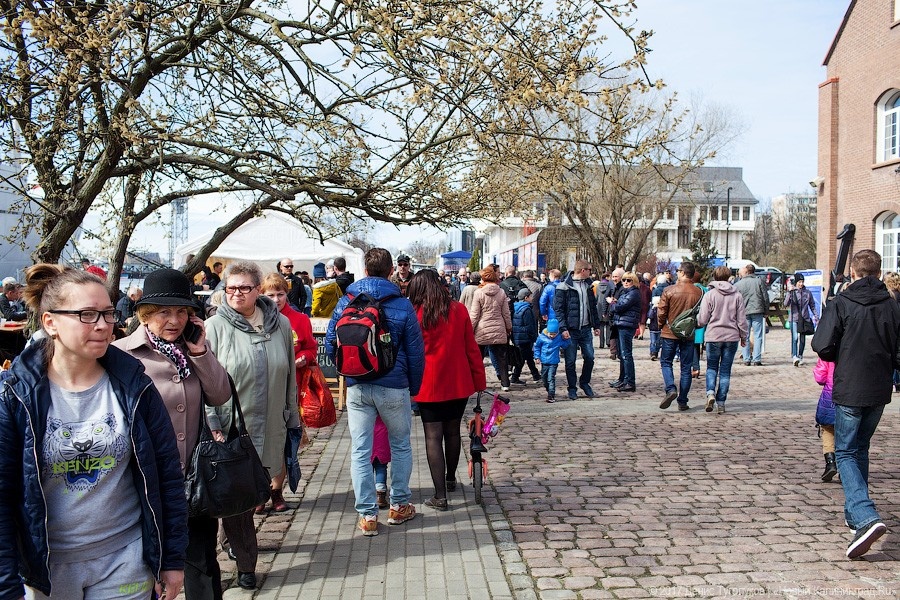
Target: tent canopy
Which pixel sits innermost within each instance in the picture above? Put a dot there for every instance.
(270, 237)
(458, 254)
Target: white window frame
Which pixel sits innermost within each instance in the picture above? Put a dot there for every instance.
(887, 238)
(888, 125)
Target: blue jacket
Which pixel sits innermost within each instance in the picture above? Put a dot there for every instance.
(546, 348)
(626, 310)
(566, 304)
(546, 304)
(524, 325)
(24, 403)
(405, 333)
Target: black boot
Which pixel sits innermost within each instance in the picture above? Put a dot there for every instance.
(830, 467)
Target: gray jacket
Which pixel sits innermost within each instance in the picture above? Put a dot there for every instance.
(756, 298)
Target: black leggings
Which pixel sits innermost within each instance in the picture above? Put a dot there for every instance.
(442, 447)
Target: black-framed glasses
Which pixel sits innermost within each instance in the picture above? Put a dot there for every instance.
(231, 290)
(91, 316)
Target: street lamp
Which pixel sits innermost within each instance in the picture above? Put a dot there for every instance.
(727, 224)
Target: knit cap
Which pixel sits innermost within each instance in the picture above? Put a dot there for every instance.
(319, 270)
(552, 326)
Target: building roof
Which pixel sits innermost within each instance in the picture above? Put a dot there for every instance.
(837, 36)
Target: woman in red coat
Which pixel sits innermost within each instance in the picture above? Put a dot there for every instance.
(454, 370)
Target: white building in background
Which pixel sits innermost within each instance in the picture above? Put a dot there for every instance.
(718, 195)
(790, 205)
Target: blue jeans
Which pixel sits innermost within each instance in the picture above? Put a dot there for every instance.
(654, 342)
(364, 402)
(548, 377)
(719, 358)
(853, 430)
(757, 324)
(380, 470)
(579, 338)
(667, 357)
(626, 358)
(798, 341)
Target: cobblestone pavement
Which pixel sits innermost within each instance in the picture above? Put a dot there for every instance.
(611, 497)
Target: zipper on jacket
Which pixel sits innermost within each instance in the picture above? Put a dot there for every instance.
(37, 465)
(137, 461)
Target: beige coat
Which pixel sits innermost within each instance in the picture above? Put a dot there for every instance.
(490, 315)
(262, 366)
(182, 397)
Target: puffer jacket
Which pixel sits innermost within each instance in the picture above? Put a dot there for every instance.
(490, 315)
(823, 373)
(524, 325)
(24, 403)
(405, 333)
(722, 313)
(547, 300)
(626, 310)
(546, 348)
(567, 305)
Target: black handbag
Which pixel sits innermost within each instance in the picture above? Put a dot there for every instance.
(806, 327)
(226, 478)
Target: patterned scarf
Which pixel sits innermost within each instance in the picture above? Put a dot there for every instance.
(172, 351)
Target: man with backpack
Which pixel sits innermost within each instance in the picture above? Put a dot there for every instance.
(382, 390)
(675, 300)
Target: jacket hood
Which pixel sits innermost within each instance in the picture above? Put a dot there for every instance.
(492, 289)
(521, 304)
(270, 315)
(377, 287)
(724, 287)
(866, 291)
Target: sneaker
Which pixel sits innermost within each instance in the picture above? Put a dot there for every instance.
(757, 363)
(720, 408)
(588, 391)
(796, 361)
(536, 378)
(683, 406)
(368, 525)
(710, 400)
(616, 383)
(401, 513)
(437, 503)
(667, 402)
(573, 394)
(517, 382)
(800, 362)
(746, 363)
(864, 539)
(550, 398)
(381, 499)
(505, 388)
(654, 357)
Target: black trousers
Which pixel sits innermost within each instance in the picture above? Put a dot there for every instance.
(202, 578)
(241, 533)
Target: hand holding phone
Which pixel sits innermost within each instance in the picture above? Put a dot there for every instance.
(192, 332)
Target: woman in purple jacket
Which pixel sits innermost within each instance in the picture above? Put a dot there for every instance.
(722, 313)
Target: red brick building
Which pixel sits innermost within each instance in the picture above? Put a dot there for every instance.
(858, 179)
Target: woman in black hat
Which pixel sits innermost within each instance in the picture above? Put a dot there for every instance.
(171, 343)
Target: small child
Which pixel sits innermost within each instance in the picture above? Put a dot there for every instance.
(546, 351)
(824, 375)
(381, 456)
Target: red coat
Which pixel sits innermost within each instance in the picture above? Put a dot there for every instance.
(304, 342)
(453, 365)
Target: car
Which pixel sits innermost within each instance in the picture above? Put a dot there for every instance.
(775, 281)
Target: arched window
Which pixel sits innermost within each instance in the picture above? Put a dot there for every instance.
(887, 236)
(889, 126)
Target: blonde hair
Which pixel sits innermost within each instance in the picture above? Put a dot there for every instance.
(630, 276)
(274, 281)
(892, 281)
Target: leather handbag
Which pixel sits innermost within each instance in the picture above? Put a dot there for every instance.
(806, 327)
(225, 478)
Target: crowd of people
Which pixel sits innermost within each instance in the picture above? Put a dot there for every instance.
(102, 410)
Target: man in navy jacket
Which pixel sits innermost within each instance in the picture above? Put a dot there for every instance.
(388, 396)
(576, 310)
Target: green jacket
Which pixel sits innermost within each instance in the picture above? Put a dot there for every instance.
(262, 366)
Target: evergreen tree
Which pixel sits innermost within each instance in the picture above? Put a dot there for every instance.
(702, 251)
(475, 262)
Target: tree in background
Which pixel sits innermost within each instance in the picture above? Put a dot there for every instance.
(424, 252)
(787, 242)
(347, 110)
(702, 250)
(475, 262)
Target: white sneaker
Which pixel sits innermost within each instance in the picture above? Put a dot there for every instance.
(505, 388)
(801, 362)
(796, 361)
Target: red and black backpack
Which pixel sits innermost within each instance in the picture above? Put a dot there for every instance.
(365, 350)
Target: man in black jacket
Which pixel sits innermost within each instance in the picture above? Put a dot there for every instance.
(296, 291)
(576, 310)
(859, 332)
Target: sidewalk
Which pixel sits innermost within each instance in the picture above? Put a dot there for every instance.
(438, 555)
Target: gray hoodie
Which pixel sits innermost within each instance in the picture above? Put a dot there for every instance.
(722, 313)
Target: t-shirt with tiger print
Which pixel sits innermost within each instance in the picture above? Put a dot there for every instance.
(93, 508)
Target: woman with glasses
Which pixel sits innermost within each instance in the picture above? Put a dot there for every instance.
(171, 344)
(91, 493)
(625, 309)
(254, 342)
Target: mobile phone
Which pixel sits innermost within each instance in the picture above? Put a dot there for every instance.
(191, 332)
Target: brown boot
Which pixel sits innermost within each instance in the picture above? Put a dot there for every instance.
(382, 500)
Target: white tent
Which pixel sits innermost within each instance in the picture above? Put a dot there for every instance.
(267, 239)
